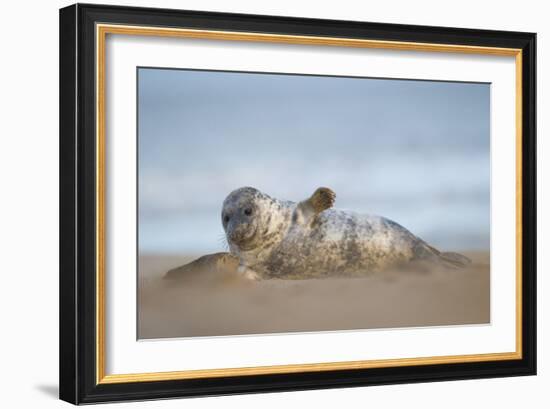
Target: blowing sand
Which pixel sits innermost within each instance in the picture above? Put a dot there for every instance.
(213, 300)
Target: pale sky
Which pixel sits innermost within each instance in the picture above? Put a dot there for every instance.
(414, 151)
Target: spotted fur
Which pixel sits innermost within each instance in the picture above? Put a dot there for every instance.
(283, 239)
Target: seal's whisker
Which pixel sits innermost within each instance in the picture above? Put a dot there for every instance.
(222, 240)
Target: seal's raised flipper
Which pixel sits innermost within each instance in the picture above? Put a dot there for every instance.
(322, 199)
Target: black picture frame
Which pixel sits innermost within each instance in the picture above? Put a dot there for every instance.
(78, 360)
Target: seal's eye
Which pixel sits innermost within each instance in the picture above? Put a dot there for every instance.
(248, 211)
(225, 218)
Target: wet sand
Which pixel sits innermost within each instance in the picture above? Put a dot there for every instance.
(212, 299)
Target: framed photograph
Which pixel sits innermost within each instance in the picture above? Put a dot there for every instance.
(257, 203)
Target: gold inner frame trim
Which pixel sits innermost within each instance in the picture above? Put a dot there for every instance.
(101, 32)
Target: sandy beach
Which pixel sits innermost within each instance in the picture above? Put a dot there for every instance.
(211, 301)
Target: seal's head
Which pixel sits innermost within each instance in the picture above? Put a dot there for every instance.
(242, 218)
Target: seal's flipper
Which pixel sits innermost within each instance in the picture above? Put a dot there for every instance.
(247, 273)
(423, 251)
(455, 259)
(211, 263)
(322, 199)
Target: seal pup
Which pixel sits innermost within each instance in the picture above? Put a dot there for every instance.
(281, 239)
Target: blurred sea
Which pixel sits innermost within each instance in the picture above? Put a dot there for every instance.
(416, 152)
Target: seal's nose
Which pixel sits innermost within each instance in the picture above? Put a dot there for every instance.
(238, 233)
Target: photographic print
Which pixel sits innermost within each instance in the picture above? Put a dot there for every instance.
(263, 203)
(279, 203)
